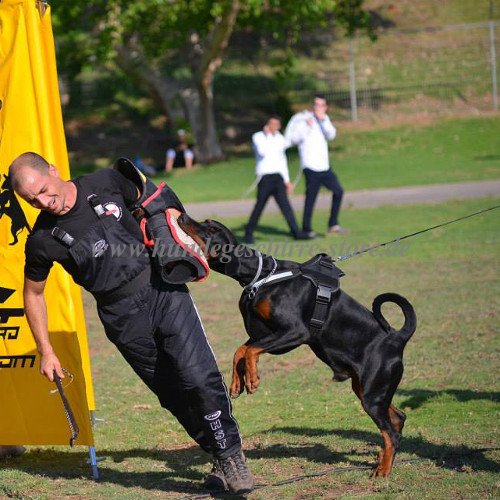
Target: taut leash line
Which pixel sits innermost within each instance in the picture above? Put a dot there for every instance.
(359, 252)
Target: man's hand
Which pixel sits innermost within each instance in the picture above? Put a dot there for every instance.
(320, 115)
(48, 363)
(289, 188)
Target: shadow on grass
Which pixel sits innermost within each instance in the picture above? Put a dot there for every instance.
(418, 397)
(265, 232)
(178, 474)
(181, 471)
(444, 455)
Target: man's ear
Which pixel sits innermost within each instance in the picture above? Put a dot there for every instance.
(53, 170)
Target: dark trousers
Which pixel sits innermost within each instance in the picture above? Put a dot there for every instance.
(159, 333)
(314, 180)
(272, 185)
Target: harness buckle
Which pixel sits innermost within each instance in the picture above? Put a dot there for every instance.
(323, 294)
(316, 323)
(93, 199)
(62, 236)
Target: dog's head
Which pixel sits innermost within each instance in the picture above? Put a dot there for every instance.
(216, 241)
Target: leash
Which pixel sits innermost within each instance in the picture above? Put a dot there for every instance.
(339, 470)
(70, 417)
(359, 252)
(297, 177)
(250, 188)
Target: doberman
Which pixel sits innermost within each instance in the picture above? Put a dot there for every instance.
(354, 342)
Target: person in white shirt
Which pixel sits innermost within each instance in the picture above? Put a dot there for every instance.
(274, 180)
(311, 131)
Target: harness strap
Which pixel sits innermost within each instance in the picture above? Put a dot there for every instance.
(285, 275)
(62, 236)
(325, 276)
(126, 290)
(320, 313)
(95, 203)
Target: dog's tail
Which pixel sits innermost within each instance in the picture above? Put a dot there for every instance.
(410, 325)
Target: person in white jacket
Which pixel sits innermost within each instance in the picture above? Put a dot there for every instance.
(311, 131)
(274, 180)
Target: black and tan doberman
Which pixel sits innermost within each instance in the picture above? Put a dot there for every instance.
(278, 306)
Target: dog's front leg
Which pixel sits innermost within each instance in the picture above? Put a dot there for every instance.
(252, 379)
(239, 369)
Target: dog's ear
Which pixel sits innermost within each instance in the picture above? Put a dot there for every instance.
(228, 235)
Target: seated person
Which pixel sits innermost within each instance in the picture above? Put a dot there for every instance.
(181, 154)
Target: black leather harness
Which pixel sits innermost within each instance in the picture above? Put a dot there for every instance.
(321, 271)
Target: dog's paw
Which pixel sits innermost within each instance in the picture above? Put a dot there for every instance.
(252, 384)
(238, 380)
(380, 471)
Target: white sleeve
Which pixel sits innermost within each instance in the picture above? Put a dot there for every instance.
(260, 143)
(330, 130)
(297, 128)
(301, 130)
(284, 173)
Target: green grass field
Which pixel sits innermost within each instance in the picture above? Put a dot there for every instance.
(301, 426)
(446, 151)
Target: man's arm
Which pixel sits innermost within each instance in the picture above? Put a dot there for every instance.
(36, 314)
(328, 128)
(261, 144)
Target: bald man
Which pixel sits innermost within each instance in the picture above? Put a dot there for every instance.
(154, 325)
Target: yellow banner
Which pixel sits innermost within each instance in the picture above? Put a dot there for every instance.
(31, 120)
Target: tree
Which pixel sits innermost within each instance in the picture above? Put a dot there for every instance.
(173, 48)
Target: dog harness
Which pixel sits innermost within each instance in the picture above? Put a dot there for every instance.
(325, 275)
(320, 270)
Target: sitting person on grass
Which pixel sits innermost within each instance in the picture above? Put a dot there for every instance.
(181, 154)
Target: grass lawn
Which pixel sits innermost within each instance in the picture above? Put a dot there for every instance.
(299, 422)
(446, 151)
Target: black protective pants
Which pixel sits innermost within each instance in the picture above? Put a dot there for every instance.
(159, 333)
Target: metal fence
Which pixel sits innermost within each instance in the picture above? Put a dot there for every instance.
(450, 69)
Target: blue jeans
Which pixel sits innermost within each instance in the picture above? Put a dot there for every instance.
(314, 180)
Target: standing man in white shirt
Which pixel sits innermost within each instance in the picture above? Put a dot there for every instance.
(311, 131)
(274, 180)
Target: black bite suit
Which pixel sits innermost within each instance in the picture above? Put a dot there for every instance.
(154, 325)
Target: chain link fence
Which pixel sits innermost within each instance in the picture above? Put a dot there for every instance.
(446, 70)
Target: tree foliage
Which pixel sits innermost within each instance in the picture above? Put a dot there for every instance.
(174, 47)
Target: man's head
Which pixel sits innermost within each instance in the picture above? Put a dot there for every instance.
(319, 105)
(182, 135)
(38, 182)
(273, 124)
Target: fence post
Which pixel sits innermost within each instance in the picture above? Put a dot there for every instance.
(352, 82)
(493, 57)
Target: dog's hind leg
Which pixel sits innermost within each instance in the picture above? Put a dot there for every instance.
(397, 417)
(376, 397)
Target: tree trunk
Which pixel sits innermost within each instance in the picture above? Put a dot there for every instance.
(199, 108)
